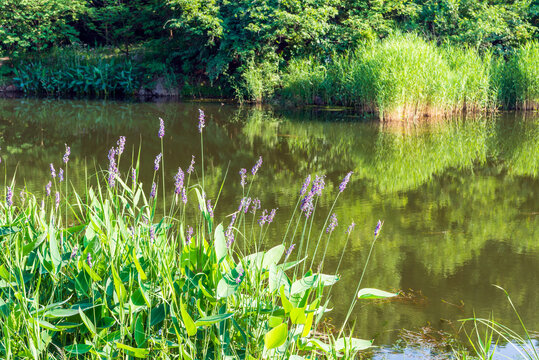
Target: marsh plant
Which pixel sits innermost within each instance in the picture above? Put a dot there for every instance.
(117, 271)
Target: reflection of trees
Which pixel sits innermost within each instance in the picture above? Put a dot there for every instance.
(455, 222)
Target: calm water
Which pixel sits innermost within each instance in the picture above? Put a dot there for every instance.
(459, 199)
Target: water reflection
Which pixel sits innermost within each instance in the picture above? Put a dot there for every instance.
(460, 198)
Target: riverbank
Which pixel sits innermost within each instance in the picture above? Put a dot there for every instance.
(403, 77)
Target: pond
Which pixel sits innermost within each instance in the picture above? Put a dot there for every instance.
(459, 198)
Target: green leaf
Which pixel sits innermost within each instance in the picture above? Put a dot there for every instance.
(60, 313)
(213, 319)
(297, 315)
(8, 230)
(119, 285)
(276, 336)
(225, 289)
(136, 352)
(220, 243)
(89, 324)
(308, 325)
(90, 272)
(78, 349)
(272, 256)
(274, 321)
(140, 336)
(55, 253)
(352, 344)
(187, 320)
(287, 305)
(139, 268)
(369, 293)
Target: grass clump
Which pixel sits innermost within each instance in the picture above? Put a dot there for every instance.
(105, 275)
(520, 79)
(403, 76)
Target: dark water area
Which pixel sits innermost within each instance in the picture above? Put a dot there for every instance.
(459, 198)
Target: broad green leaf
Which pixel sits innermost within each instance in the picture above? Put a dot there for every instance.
(78, 349)
(89, 324)
(297, 315)
(140, 336)
(317, 344)
(60, 313)
(369, 293)
(274, 321)
(286, 303)
(220, 243)
(308, 325)
(136, 352)
(139, 268)
(352, 344)
(55, 253)
(272, 256)
(118, 285)
(213, 319)
(277, 278)
(225, 289)
(90, 272)
(276, 336)
(187, 320)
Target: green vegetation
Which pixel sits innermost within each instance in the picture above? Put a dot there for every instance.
(105, 275)
(470, 56)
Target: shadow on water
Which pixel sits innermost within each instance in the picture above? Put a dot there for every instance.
(460, 198)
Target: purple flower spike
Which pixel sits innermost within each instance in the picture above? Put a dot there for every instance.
(210, 209)
(154, 189)
(332, 223)
(305, 185)
(255, 205)
(67, 153)
(152, 233)
(22, 194)
(61, 174)
(345, 181)
(289, 251)
(350, 228)
(161, 132)
(48, 188)
(9, 196)
(318, 185)
(271, 215)
(189, 235)
(184, 196)
(178, 181)
(201, 120)
(157, 161)
(53, 172)
(74, 252)
(57, 197)
(378, 228)
(263, 218)
(121, 145)
(113, 170)
(89, 260)
(243, 176)
(246, 203)
(192, 165)
(133, 175)
(255, 168)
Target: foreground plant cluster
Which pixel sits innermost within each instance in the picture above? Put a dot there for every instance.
(113, 272)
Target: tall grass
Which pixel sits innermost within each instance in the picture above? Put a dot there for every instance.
(103, 275)
(405, 76)
(520, 79)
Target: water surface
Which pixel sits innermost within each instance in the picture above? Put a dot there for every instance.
(459, 198)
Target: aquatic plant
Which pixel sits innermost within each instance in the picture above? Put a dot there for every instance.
(109, 278)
